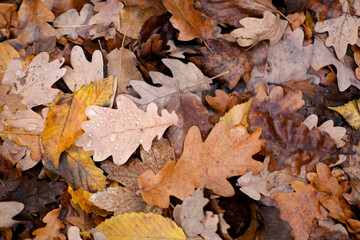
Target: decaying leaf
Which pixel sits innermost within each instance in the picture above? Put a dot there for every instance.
(34, 85)
(190, 22)
(7, 53)
(52, 228)
(352, 169)
(8, 210)
(349, 112)
(255, 30)
(211, 225)
(342, 30)
(236, 115)
(211, 158)
(83, 220)
(13, 101)
(83, 71)
(63, 123)
(119, 132)
(190, 213)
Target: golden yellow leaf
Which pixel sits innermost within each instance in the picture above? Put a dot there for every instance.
(238, 114)
(63, 122)
(81, 198)
(139, 226)
(349, 112)
(52, 229)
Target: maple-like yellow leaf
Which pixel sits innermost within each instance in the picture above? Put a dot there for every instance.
(63, 122)
(52, 228)
(349, 112)
(237, 114)
(119, 132)
(81, 198)
(224, 154)
(139, 226)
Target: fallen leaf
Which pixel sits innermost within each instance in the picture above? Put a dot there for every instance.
(7, 53)
(73, 233)
(190, 213)
(63, 123)
(270, 27)
(147, 4)
(342, 30)
(190, 22)
(352, 169)
(296, 20)
(288, 60)
(8, 210)
(178, 51)
(134, 127)
(81, 198)
(83, 71)
(211, 158)
(323, 57)
(349, 112)
(52, 228)
(13, 101)
(69, 22)
(83, 220)
(34, 84)
(33, 21)
(210, 222)
(144, 225)
(237, 114)
(326, 229)
(122, 64)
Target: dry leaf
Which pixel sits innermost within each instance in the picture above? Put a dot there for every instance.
(34, 84)
(237, 114)
(119, 132)
(83, 220)
(69, 22)
(189, 214)
(190, 22)
(143, 226)
(7, 211)
(353, 171)
(255, 30)
(7, 53)
(144, 4)
(122, 64)
(211, 159)
(287, 60)
(349, 112)
(323, 57)
(178, 51)
(74, 233)
(342, 30)
(52, 228)
(13, 101)
(210, 222)
(83, 71)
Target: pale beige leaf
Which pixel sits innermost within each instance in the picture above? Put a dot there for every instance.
(178, 52)
(7, 211)
(343, 30)
(270, 27)
(69, 22)
(74, 233)
(323, 57)
(210, 221)
(122, 64)
(119, 132)
(34, 84)
(83, 71)
(189, 214)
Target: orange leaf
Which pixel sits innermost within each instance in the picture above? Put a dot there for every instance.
(52, 228)
(224, 154)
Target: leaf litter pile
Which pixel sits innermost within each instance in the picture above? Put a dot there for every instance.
(178, 119)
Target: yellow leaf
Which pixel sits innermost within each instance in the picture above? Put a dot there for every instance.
(349, 112)
(63, 122)
(81, 198)
(139, 226)
(52, 229)
(238, 114)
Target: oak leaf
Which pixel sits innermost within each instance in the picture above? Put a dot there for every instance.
(8, 210)
(82, 220)
(63, 122)
(52, 228)
(7, 52)
(342, 30)
(211, 158)
(13, 101)
(34, 84)
(352, 169)
(190, 22)
(349, 112)
(119, 132)
(83, 71)
(70, 21)
(323, 57)
(147, 4)
(211, 225)
(287, 60)
(33, 19)
(143, 226)
(255, 30)
(122, 64)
